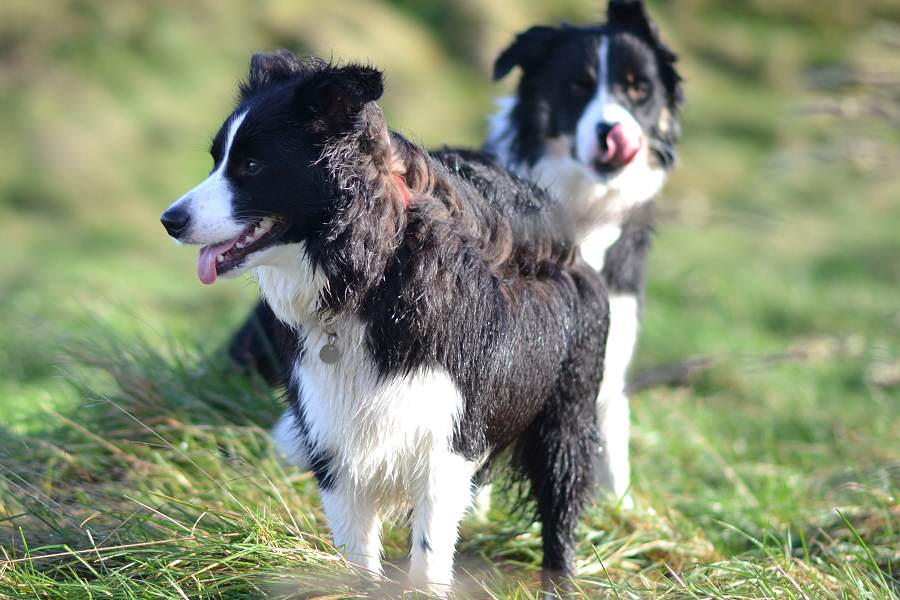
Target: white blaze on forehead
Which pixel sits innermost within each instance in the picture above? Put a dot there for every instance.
(602, 109)
(603, 70)
(229, 139)
(210, 203)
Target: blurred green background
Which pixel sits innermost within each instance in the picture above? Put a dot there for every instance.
(777, 259)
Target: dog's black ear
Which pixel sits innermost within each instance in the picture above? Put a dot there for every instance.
(267, 68)
(338, 94)
(632, 15)
(528, 48)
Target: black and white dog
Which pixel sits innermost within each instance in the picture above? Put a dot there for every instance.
(438, 309)
(595, 121)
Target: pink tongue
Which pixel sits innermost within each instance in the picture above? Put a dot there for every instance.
(612, 147)
(206, 261)
(621, 148)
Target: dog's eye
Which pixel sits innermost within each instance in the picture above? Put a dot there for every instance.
(250, 167)
(638, 90)
(582, 86)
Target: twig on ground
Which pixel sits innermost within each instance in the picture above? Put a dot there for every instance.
(688, 371)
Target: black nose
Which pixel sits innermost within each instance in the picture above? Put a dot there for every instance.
(603, 130)
(176, 221)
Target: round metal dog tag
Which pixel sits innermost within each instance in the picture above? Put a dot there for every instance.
(329, 354)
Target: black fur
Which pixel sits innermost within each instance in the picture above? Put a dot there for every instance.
(257, 346)
(626, 261)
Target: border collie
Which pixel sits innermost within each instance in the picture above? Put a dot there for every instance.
(439, 309)
(595, 121)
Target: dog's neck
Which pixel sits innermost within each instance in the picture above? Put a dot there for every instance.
(594, 204)
(292, 285)
(380, 174)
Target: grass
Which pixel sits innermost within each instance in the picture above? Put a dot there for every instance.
(161, 481)
(134, 464)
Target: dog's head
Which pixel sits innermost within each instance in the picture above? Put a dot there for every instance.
(603, 100)
(269, 187)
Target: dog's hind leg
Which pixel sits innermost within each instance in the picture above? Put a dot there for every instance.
(558, 451)
(558, 454)
(441, 503)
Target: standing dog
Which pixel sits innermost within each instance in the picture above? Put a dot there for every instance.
(595, 120)
(437, 315)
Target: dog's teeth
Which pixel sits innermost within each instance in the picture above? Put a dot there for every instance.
(220, 258)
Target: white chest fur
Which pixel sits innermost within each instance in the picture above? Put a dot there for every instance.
(380, 434)
(596, 243)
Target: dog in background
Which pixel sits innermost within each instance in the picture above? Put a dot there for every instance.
(437, 311)
(595, 120)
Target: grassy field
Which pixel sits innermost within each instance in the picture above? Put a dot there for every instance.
(134, 464)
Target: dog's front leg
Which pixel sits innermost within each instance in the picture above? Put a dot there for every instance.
(613, 424)
(288, 442)
(355, 525)
(439, 506)
(612, 403)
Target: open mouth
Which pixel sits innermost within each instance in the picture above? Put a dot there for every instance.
(216, 259)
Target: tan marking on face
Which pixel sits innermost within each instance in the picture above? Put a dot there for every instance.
(664, 122)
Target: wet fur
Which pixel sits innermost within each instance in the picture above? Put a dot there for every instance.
(473, 298)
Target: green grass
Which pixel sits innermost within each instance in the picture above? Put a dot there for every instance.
(134, 464)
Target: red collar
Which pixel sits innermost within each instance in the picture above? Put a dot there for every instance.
(404, 190)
